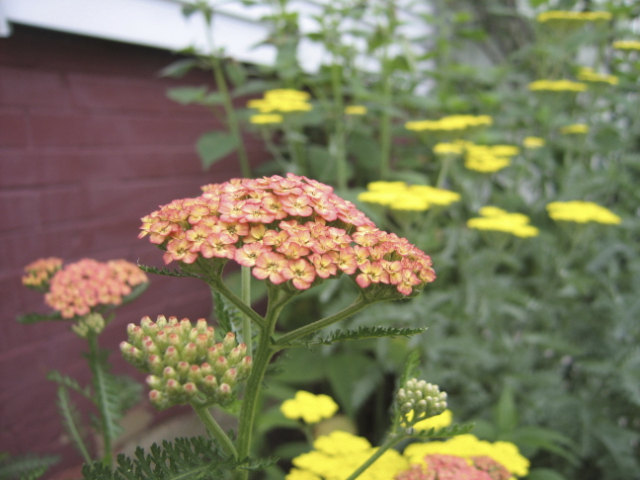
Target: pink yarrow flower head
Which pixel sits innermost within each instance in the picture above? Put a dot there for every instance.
(38, 273)
(291, 231)
(81, 287)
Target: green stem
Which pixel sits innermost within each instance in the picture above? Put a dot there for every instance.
(389, 442)
(214, 430)
(444, 169)
(297, 157)
(385, 120)
(338, 143)
(286, 339)
(219, 285)
(232, 118)
(100, 384)
(245, 287)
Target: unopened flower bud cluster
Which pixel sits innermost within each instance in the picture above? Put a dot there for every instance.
(424, 399)
(185, 362)
(92, 323)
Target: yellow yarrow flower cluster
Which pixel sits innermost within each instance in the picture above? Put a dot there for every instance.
(456, 147)
(494, 218)
(309, 407)
(355, 110)
(400, 196)
(337, 455)
(450, 123)
(576, 128)
(626, 45)
(582, 212)
(39, 273)
(560, 16)
(266, 118)
(467, 446)
(533, 142)
(486, 159)
(283, 100)
(557, 86)
(436, 422)
(587, 74)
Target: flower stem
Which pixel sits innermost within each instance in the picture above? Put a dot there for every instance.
(214, 430)
(385, 120)
(245, 287)
(389, 442)
(107, 421)
(233, 298)
(338, 144)
(286, 339)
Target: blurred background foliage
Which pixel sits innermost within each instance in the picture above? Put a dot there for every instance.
(536, 339)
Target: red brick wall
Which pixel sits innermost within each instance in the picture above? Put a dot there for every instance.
(88, 144)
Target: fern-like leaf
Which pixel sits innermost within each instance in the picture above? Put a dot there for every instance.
(26, 467)
(166, 272)
(445, 432)
(72, 422)
(359, 334)
(196, 458)
(229, 317)
(29, 318)
(135, 293)
(70, 383)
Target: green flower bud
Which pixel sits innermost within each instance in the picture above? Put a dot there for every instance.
(221, 365)
(406, 407)
(224, 391)
(213, 353)
(135, 334)
(190, 389)
(206, 369)
(229, 342)
(171, 356)
(230, 377)
(244, 369)
(169, 372)
(149, 346)
(173, 387)
(162, 340)
(210, 384)
(155, 383)
(131, 354)
(185, 326)
(202, 344)
(183, 370)
(157, 399)
(175, 340)
(201, 325)
(155, 364)
(194, 375)
(236, 354)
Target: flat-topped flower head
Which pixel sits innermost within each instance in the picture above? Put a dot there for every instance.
(557, 86)
(281, 101)
(626, 45)
(309, 407)
(496, 219)
(355, 110)
(575, 129)
(489, 158)
(400, 196)
(39, 273)
(186, 363)
(81, 287)
(582, 212)
(587, 74)
(291, 230)
(533, 142)
(266, 118)
(451, 123)
(570, 18)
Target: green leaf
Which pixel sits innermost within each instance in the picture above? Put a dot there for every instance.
(30, 318)
(445, 432)
(229, 317)
(214, 146)
(252, 87)
(135, 293)
(544, 474)
(344, 371)
(72, 422)
(166, 272)
(505, 414)
(25, 466)
(70, 383)
(188, 95)
(236, 72)
(179, 68)
(362, 333)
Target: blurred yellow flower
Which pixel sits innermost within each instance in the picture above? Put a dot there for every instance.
(450, 123)
(627, 45)
(582, 212)
(587, 74)
(400, 196)
(576, 128)
(533, 142)
(437, 422)
(557, 86)
(448, 149)
(494, 218)
(574, 17)
(282, 100)
(486, 159)
(467, 446)
(266, 118)
(355, 110)
(309, 407)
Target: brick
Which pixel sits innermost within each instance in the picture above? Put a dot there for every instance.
(31, 87)
(127, 94)
(64, 204)
(13, 129)
(104, 130)
(19, 209)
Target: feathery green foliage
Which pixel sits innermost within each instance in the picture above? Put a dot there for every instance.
(25, 467)
(360, 333)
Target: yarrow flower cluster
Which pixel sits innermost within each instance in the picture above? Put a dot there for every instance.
(39, 273)
(493, 218)
(626, 45)
(587, 74)
(355, 110)
(557, 86)
(576, 128)
(185, 362)
(286, 229)
(533, 142)
(582, 212)
(400, 196)
(84, 285)
(568, 17)
(283, 100)
(419, 400)
(266, 118)
(450, 123)
(489, 158)
(309, 407)
(469, 447)
(443, 467)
